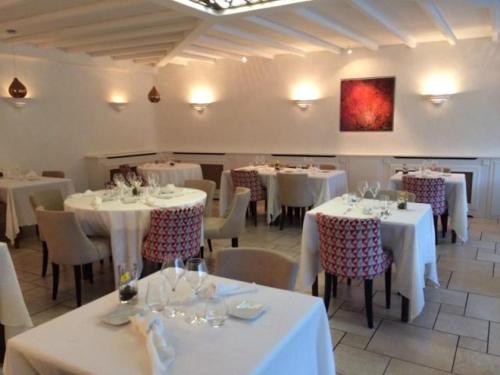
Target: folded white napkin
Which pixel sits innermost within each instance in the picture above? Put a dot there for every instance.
(31, 175)
(152, 328)
(223, 289)
(88, 192)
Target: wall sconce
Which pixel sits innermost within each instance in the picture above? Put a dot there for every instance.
(199, 107)
(438, 100)
(17, 102)
(118, 106)
(303, 104)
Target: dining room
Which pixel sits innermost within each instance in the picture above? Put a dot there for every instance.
(249, 187)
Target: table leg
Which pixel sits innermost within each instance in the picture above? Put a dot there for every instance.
(2, 342)
(17, 241)
(315, 287)
(453, 236)
(405, 309)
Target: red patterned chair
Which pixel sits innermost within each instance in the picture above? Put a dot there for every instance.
(352, 248)
(250, 180)
(432, 191)
(174, 232)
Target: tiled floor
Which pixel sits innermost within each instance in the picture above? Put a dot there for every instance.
(458, 331)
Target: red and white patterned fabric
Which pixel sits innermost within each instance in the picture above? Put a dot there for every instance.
(351, 247)
(428, 190)
(174, 232)
(250, 180)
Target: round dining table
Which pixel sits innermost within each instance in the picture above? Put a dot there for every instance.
(126, 221)
(171, 173)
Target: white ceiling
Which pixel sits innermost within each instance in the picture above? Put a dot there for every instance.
(178, 31)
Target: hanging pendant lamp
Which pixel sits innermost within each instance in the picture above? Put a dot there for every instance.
(154, 95)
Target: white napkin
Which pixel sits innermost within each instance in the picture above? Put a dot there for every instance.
(224, 290)
(152, 328)
(31, 175)
(88, 192)
(96, 202)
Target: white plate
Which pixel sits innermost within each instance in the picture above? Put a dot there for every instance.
(121, 315)
(245, 309)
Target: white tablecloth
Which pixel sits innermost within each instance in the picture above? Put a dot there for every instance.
(409, 234)
(16, 193)
(125, 224)
(13, 312)
(291, 337)
(172, 174)
(456, 195)
(324, 186)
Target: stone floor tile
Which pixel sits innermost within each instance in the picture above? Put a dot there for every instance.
(472, 344)
(353, 322)
(352, 361)
(463, 326)
(442, 295)
(452, 309)
(469, 362)
(494, 339)
(465, 265)
(337, 336)
(398, 367)
(483, 307)
(475, 282)
(355, 341)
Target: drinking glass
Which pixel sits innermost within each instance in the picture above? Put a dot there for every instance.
(374, 189)
(156, 295)
(129, 275)
(363, 188)
(173, 270)
(196, 273)
(215, 311)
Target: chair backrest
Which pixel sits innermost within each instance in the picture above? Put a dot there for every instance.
(174, 232)
(56, 174)
(66, 241)
(249, 180)
(49, 199)
(208, 186)
(392, 194)
(428, 190)
(351, 247)
(234, 223)
(257, 265)
(293, 190)
(327, 167)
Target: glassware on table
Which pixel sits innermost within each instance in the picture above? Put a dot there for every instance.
(173, 270)
(215, 311)
(374, 188)
(196, 273)
(153, 182)
(128, 274)
(156, 295)
(363, 188)
(402, 200)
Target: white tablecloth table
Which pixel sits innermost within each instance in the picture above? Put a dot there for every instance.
(291, 337)
(13, 312)
(175, 174)
(409, 234)
(15, 193)
(456, 195)
(125, 223)
(324, 186)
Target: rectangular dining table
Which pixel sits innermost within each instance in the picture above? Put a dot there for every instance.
(323, 184)
(456, 196)
(409, 234)
(291, 337)
(15, 193)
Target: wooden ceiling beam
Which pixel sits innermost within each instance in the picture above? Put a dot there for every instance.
(128, 51)
(133, 56)
(433, 10)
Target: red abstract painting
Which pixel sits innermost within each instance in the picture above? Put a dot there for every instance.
(367, 104)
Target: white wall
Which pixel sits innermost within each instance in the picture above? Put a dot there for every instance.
(69, 117)
(252, 113)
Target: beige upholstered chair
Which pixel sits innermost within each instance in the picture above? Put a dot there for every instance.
(327, 167)
(392, 194)
(294, 192)
(50, 200)
(232, 224)
(57, 174)
(68, 245)
(257, 265)
(208, 186)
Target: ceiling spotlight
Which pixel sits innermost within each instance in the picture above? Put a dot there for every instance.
(244, 59)
(349, 51)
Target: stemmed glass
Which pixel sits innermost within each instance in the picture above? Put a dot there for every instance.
(374, 188)
(196, 273)
(153, 182)
(363, 188)
(119, 181)
(173, 270)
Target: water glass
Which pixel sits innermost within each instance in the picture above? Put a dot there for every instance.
(215, 311)
(129, 275)
(156, 295)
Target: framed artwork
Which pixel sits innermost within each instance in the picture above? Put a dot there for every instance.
(367, 104)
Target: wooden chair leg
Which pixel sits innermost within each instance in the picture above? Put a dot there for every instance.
(45, 258)
(314, 288)
(210, 245)
(253, 206)
(334, 286)
(2, 342)
(234, 242)
(88, 273)
(348, 282)
(405, 309)
(283, 214)
(101, 262)
(444, 223)
(297, 213)
(436, 228)
(368, 302)
(201, 251)
(388, 286)
(290, 215)
(328, 290)
(77, 270)
(55, 280)
(453, 236)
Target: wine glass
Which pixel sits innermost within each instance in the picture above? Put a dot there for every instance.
(363, 188)
(374, 188)
(173, 270)
(156, 295)
(196, 273)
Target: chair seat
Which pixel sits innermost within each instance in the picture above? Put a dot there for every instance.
(212, 226)
(102, 246)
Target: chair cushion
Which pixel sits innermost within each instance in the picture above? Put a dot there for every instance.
(102, 245)
(212, 226)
